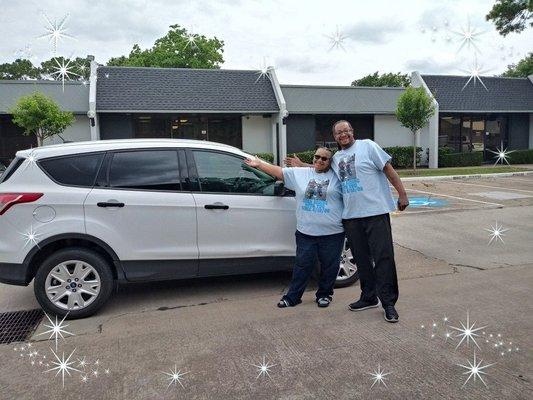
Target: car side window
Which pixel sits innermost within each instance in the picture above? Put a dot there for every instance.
(76, 170)
(145, 170)
(227, 173)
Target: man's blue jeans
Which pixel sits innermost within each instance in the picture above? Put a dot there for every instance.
(327, 249)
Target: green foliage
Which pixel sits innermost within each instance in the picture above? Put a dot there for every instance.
(24, 69)
(307, 156)
(414, 109)
(402, 157)
(523, 69)
(521, 157)
(19, 69)
(388, 79)
(39, 115)
(447, 159)
(511, 15)
(269, 157)
(177, 49)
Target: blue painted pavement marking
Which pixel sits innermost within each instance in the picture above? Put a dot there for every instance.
(426, 202)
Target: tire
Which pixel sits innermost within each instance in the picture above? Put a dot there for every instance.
(61, 269)
(348, 273)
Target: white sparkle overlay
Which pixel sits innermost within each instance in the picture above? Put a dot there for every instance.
(378, 376)
(57, 329)
(63, 71)
(63, 365)
(501, 154)
(475, 369)
(55, 31)
(467, 331)
(263, 72)
(175, 376)
(496, 232)
(468, 37)
(31, 237)
(264, 368)
(475, 73)
(337, 39)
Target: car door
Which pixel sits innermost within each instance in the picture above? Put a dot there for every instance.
(242, 225)
(140, 208)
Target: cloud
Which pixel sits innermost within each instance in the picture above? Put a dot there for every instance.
(302, 64)
(373, 32)
(432, 65)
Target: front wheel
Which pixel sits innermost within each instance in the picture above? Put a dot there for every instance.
(348, 273)
(73, 282)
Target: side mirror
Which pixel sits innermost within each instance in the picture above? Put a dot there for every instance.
(279, 188)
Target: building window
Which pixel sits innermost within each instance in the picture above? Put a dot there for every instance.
(450, 132)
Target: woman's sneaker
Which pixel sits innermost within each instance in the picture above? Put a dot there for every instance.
(390, 314)
(324, 301)
(284, 302)
(361, 304)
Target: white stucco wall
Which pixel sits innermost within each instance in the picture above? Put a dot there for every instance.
(388, 133)
(79, 131)
(257, 134)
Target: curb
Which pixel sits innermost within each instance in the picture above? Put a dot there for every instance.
(475, 176)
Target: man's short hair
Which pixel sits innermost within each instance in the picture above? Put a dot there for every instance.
(340, 122)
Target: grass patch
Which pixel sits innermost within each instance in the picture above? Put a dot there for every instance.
(459, 171)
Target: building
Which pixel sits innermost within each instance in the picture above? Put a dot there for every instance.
(252, 111)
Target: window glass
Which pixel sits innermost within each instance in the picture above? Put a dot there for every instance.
(76, 170)
(450, 132)
(145, 169)
(225, 173)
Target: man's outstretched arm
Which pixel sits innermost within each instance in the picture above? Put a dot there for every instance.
(294, 161)
(395, 181)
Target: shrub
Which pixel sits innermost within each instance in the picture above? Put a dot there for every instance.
(269, 157)
(460, 159)
(520, 157)
(402, 157)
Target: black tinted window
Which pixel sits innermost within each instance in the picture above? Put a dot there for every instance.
(146, 169)
(76, 170)
(5, 174)
(221, 173)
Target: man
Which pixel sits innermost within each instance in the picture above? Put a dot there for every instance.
(364, 168)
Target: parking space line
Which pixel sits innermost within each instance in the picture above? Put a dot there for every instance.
(491, 187)
(455, 197)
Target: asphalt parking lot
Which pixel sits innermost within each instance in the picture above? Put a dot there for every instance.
(217, 331)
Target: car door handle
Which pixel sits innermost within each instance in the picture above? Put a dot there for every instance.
(218, 206)
(110, 204)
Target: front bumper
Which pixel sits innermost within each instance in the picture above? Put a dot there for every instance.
(14, 274)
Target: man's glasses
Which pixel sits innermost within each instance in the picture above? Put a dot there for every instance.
(346, 131)
(317, 157)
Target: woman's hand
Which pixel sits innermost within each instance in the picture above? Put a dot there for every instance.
(253, 163)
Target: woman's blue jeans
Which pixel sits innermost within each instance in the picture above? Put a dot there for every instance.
(327, 249)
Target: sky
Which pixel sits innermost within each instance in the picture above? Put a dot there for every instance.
(294, 36)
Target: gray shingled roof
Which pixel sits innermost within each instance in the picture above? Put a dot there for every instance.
(181, 89)
(502, 94)
(305, 99)
(75, 98)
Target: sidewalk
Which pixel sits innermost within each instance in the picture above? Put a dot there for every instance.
(317, 353)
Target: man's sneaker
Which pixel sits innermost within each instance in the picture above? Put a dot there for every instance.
(324, 301)
(360, 305)
(390, 314)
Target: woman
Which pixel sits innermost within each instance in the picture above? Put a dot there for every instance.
(319, 233)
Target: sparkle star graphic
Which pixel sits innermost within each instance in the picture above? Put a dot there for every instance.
(175, 376)
(468, 37)
(474, 369)
(475, 73)
(31, 237)
(55, 31)
(337, 40)
(262, 72)
(501, 155)
(63, 365)
(467, 332)
(496, 232)
(63, 71)
(56, 329)
(264, 368)
(378, 376)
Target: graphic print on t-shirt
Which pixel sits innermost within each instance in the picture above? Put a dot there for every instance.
(348, 176)
(315, 199)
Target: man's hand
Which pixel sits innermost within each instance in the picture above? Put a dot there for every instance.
(294, 161)
(403, 202)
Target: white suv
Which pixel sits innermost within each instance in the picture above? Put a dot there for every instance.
(81, 217)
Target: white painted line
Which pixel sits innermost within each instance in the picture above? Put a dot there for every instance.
(455, 197)
(463, 177)
(488, 186)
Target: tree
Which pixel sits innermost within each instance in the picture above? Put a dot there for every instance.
(39, 115)
(388, 79)
(19, 69)
(523, 69)
(414, 109)
(511, 15)
(177, 49)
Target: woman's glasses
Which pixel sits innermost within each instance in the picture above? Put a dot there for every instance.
(317, 157)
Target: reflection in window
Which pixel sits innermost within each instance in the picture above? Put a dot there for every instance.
(224, 173)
